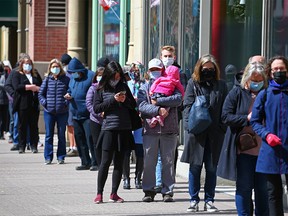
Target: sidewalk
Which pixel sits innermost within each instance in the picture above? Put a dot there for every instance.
(28, 187)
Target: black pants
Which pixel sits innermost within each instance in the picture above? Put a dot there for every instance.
(275, 194)
(28, 119)
(95, 131)
(107, 156)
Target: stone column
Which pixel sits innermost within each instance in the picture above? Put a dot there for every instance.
(21, 39)
(76, 29)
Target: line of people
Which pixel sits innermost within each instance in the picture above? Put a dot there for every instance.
(99, 105)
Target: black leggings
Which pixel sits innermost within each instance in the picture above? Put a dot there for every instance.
(107, 156)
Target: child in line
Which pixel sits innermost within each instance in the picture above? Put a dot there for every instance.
(165, 86)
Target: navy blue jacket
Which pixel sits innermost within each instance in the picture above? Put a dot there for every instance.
(51, 94)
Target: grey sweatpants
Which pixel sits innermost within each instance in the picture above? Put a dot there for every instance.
(167, 144)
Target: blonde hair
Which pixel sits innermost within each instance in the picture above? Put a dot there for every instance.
(57, 61)
(168, 48)
(250, 69)
(199, 65)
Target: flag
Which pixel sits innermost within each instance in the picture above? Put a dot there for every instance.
(106, 4)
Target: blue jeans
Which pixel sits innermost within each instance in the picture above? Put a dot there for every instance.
(210, 178)
(15, 129)
(247, 180)
(84, 142)
(159, 171)
(50, 121)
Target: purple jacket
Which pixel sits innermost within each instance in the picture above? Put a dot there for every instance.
(89, 104)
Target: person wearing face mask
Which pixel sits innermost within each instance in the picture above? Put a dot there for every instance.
(51, 97)
(238, 164)
(270, 121)
(96, 119)
(114, 100)
(159, 139)
(80, 82)
(204, 148)
(26, 84)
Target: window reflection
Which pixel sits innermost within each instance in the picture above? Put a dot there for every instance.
(154, 28)
(171, 31)
(112, 33)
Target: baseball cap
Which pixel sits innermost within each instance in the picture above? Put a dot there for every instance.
(155, 63)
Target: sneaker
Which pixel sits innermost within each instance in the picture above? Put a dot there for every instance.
(115, 198)
(34, 150)
(72, 153)
(193, 206)
(167, 198)
(60, 161)
(209, 207)
(47, 162)
(14, 148)
(149, 197)
(83, 167)
(94, 168)
(10, 140)
(21, 150)
(98, 199)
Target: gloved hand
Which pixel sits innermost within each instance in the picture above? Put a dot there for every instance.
(273, 140)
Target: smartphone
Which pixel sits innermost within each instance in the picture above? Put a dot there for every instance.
(122, 92)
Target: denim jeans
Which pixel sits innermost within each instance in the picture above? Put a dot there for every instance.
(84, 142)
(210, 178)
(50, 121)
(247, 180)
(15, 129)
(159, 171)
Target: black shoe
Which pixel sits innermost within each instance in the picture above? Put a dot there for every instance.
(21, 151)
(126, 184)
(94, 168)
(83, 167)
(47, 162)
(61, 161)
(158, 189)
(138, 184)
(34, 150)
(14, 148)
(167, 198)
(149, 196)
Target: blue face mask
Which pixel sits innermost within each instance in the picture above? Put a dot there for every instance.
(55, 70)
(27, 67)
(256, 86)
(155, 74)
(75, 75)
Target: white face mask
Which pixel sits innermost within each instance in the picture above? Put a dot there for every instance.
(168, 61)
(155, 74)
(99, 78)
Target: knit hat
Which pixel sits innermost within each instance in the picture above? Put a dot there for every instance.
(103, 62)
(75, 65)
(65, 59)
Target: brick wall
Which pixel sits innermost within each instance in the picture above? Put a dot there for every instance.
(45, 42)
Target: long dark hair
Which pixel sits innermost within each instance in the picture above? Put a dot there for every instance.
(110, 70)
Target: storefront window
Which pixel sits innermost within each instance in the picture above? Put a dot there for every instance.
(154, 28)
(191, 37)
(171, 24)
(112, 32)
(279, 28)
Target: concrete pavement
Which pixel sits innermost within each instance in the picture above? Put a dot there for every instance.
(28, 187)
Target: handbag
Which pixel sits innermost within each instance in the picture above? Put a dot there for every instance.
(136, 121)
(199, 116)
(246, 139)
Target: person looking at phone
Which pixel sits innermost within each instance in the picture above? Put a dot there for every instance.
(114, 99)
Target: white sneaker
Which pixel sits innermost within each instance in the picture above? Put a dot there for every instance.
(193, 206)
(209, 207)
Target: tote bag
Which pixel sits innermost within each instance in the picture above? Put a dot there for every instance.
(199, 116)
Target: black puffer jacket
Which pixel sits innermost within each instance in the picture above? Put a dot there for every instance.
(3, 95)
(116, 115)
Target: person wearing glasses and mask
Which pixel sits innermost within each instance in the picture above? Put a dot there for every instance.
(270, 107)
(238, 160)
(204, 148)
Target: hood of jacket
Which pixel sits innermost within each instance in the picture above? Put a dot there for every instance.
(276, 85)
(173, 72)
(76, 66)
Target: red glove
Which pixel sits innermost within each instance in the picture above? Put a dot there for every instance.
(273, 140)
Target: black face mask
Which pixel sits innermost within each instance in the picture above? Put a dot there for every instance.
(207, 74)
(280, 77)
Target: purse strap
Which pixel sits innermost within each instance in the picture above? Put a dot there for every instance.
(197, 89)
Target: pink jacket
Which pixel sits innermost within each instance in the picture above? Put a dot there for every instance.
(167, 84)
